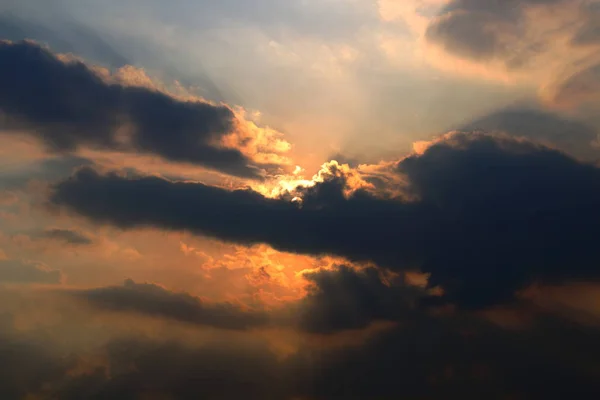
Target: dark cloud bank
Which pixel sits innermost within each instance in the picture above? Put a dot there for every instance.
(67, 105)
(424, 357)
(153, 300)
(339, 299)
(490, 215)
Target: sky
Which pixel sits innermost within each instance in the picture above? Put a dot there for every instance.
(300, 199)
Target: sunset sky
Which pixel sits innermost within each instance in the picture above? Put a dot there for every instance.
(299, 199)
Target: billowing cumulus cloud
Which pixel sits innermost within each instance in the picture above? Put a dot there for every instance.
(512, 213)
(68, 105)
(484, 215)
(325, 222)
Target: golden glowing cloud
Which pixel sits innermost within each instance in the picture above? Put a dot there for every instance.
(261, 144)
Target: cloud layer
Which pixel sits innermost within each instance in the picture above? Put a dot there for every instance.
(489, 215)
(565, 134)
(68, 105)
(88, 354)
(14, 271)
(465, 269)
(153, 300)
(338, 299)
(486, 30)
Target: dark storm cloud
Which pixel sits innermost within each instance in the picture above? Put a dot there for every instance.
(553, 130)
(173, 370)
(474, 29)
(13, 271)
(339, 299)
(32, 365)
(326, 223)
(67, 105)
(440, 358)
(67, 235)
(425, 357)
(346, 298)
(510, 213)
(135, 367)
(492, 215)
(153, 300)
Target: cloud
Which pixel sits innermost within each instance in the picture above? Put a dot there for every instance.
(68, 105)
(154, 300)
(441, 358)
(540, 126)
(581, 87)
(338, 299)
(48, 169)
(85, 354)
(13, 271)
(589, 32)
(550, 45)
(8, 198)
(485, 215)
(134, 365)
(149, 368)
(344, 298)
(67, 235)
(487, 30)
(512, 213)
(32, 365)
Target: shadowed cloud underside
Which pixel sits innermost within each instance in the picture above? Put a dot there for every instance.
(489, 215)
(68, 105)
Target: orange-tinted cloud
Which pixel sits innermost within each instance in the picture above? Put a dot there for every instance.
(579, 87)
(460, 179)
(530, 43)
(28, 272)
